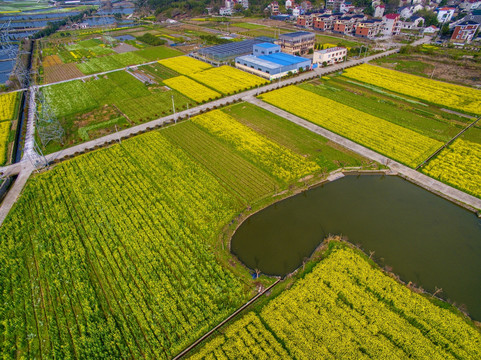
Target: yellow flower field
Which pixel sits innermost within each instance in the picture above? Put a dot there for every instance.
(246, 338)
(227, 79)
(191, 89)
(458, 165)
(347, 309)
(7, 105)
(4, 132)
(271, 157)
(453, 96)
(392, 140)
(185, 65)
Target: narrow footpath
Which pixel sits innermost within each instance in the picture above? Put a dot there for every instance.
(412, 175)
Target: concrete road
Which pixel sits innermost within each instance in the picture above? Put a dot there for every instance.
(412, 175)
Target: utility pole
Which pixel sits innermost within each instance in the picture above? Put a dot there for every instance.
(173, 109)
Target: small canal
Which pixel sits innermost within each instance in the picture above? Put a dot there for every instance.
(422, 237)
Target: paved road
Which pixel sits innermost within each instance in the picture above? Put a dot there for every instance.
(416, 177)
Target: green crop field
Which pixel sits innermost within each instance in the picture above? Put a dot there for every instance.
(346, 308)
(249, 26)
(159, 72)
(247, 181)
(117, 61)
(79, 104)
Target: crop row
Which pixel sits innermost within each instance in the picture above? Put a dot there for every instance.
(245, 179)
(191, 89)
(185, 65)
(392, 140)
(458, 165)
(7, 105)
(227, 79)
(346, 308)
(117, 265)
(280, 162)
(454, 96)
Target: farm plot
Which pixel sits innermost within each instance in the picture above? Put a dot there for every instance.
(458, 165)
(347, 308)
(8, 103)
(61, 72)
(192, 89)
(452, 96)
(119, 265)
(159, 72)
(228, 80)
(426, 120)
(394, 141)
(4, 137)
(82, 104)
(110, 62)
(247, 181)
(296, 138)
(277, 161)
(185, 65)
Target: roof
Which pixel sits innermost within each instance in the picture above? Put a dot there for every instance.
(297, 33)
(381, 6)
(330, 50)
(392, 16)
(267, 45)
(446, 9)
(273, 61)
(469, 22)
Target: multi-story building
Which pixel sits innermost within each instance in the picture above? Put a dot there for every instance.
(445, 14)
(379, 11)
(347, 24)
(368, 28)
(299, 42)
(329, 56)
(464, 32)
(324, 22)
(274, 8)
(305, 20)
(391, 24)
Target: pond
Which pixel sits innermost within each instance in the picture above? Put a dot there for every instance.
(422, 237)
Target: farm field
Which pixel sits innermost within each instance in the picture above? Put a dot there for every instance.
(110, 301)
(185, 65)
(326, 155)
(228, 80)
(458, 165)
(276, 160)
(428, 120)
(392, 140)
(345, 307)
(61, 72)
(192, 89)
(8, 113)
(452, 96)
(108, 263)
(101, 100)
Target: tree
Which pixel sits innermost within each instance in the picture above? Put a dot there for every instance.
(430, 18)
(369, 10)
(445, 31)
(238, 7)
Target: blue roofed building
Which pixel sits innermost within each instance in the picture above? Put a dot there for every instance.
(269, 62)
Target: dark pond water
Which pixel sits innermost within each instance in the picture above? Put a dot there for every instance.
(424, 238)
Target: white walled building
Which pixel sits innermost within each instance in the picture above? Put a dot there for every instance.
(330, 56)
(445, 14)
(379, 11)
